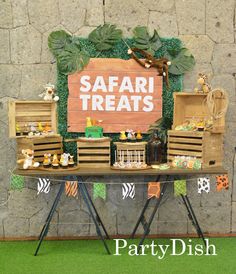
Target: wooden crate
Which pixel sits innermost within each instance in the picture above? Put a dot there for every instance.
(40, 146)
(188, 105)
(94, 153)
(139, 147)
(26, 112)
(206, 146)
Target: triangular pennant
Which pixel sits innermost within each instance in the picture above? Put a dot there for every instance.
(99, 190)
(203, 185)
(180, 187)
(71, 188)
(128, 190)
(43, 185)
(17, 182)
(154, 189)
(222, 182)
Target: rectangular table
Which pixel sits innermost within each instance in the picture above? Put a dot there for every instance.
(77, 175)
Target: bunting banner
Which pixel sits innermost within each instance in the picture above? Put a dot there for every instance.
(71, 188)
(128, 190)
(222, 182)
(43, 185)
(203, 185)
(99, 190)
(17, 182)
(154, 189)
(180, 187)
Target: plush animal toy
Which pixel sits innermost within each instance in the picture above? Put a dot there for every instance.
(28, 160)
(49, 93)
(205, 87)
(160, 64)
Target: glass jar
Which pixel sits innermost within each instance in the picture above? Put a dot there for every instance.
(154, 149)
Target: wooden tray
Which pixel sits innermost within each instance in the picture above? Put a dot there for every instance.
(51, 169)
(58, 169)
(130, 169)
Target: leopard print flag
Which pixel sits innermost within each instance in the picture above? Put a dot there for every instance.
(222, 182)
(203, 185)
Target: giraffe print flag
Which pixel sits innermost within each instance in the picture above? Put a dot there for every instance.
(154, 189)
(203, 185)
(128, 190)
(71, 188)
(43, 185)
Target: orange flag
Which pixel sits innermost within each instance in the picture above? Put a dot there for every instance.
(154, 189)
(71, 188)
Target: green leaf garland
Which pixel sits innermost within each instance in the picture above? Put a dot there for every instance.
(72, 59)
(182, 62)
(57, 41)
(104, 37)
(144, 41)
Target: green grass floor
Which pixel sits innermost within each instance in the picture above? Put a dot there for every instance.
(89, 256)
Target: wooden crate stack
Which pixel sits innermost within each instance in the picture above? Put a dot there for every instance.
(40, 146)
(94, 153)
(204, 145)
(31, 112)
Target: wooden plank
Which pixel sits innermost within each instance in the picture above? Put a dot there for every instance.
(93, 158)
(196, 134)
(47, 146)
(51, 151)
(94, 151)
(187, 147)
(94, 165)
(184, 140)
(33, 113)
(12, 120)
(54, 117)
(48, 139)
(184, 153)
(93, 171)
(97, 145)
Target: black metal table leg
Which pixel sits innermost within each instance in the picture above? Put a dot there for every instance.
(193, 217)
(158, 201)
(49, 218)
(95, 210)
(142, 217)
(86, 200)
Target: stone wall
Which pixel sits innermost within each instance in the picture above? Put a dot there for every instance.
(207, 29)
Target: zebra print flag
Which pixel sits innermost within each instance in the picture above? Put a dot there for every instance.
(128, 190)
(43, 185)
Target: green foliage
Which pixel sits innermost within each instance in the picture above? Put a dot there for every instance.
(181, 61)
(67, 50)
(57, 40)
(72, 59)
(144, 41)
(104, 37)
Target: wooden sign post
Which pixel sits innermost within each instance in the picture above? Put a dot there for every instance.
(119, 92)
